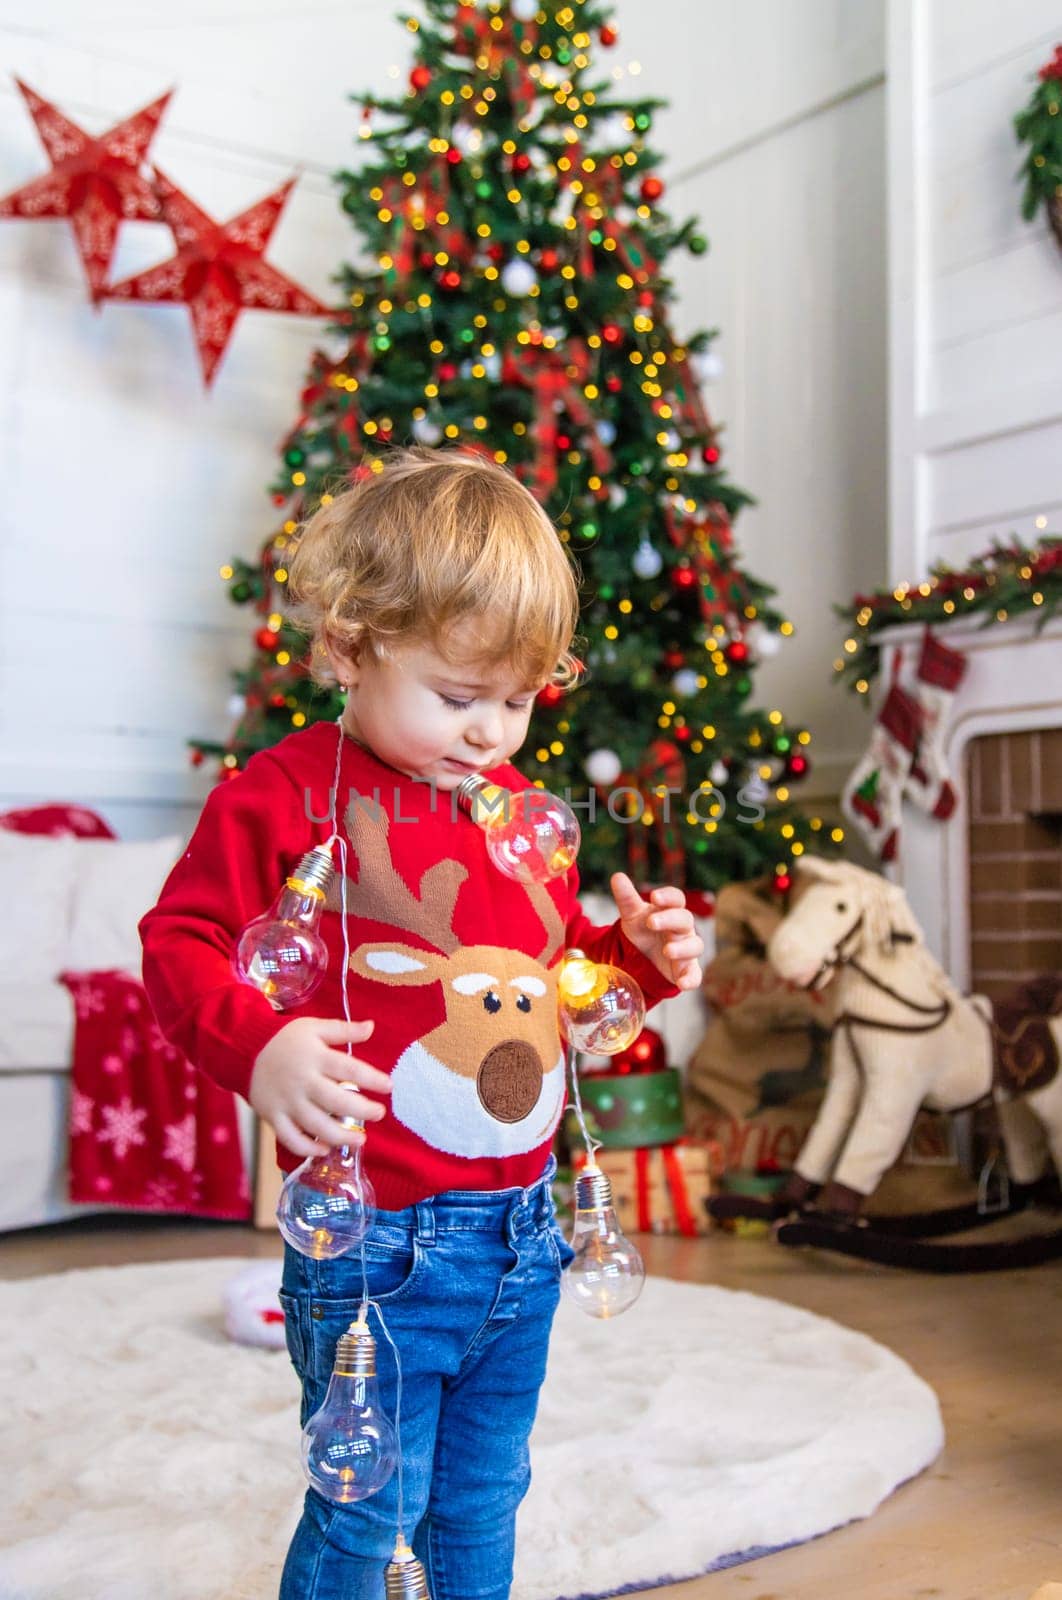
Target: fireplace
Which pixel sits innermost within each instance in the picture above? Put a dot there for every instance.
(986, 885)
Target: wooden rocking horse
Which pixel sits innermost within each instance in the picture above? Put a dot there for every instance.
(905, 1038)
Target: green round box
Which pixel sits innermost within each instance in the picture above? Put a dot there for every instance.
(634, 1109)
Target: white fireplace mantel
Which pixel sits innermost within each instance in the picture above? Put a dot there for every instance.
(1013, 683)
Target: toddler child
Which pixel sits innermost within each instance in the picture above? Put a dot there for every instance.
(439, 596)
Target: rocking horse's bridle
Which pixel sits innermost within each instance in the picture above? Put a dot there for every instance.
(843, 957)
(935, 1016)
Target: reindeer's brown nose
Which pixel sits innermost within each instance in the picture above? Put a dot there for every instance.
(510, 1080)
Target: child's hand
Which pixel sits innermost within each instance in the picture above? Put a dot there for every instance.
(297, 1084)
(662, 928)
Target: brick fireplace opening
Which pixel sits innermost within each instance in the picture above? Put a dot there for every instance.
(1015, 858)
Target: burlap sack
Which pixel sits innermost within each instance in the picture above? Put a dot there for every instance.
(765, 1045)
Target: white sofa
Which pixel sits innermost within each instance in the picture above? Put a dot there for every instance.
(73, 904)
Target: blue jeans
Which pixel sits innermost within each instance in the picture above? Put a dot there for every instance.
(468, 1283)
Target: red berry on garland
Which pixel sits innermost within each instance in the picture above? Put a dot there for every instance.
(782, 882)
(549, 260)
(612, 333)
(277, 701)
(279, 499)
(521, 161)
(651, 189)
(228, 773)
(736, 652)
(267, 639)
(550, 695)
(447, 372)
(798, 765)
(196, 758)
(420, 78)
(613, 383)
(451, 279)
(710, 454)
(608, 36)
(683, 734)
(683, 577)
(496, 252)
(563, 441)
(453, 156)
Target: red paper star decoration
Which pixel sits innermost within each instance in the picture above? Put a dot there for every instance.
(218, 270)
(95, 182)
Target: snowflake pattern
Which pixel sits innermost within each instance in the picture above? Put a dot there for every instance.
(89, 999)
(81, 1109)
(181, 1143)
(123, 1126)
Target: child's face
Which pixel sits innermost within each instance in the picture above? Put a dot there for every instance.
(435, 717)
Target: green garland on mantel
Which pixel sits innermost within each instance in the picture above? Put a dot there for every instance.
(1007, 581)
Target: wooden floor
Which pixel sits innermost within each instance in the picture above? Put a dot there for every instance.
(984, 1523)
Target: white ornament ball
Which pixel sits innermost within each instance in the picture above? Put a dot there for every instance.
(708, 368)
(426, 431)
(492, 366)
(685, 682)
(617, 495)
(524, 10)
(647, 560)
(237, 705)
(672, 440)
(767, 643)
(603, 767)
(719, 772)
(606, 432)
(518, 277)
(755, 789)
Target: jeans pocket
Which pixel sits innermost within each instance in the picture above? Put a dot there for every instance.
(294, 1330)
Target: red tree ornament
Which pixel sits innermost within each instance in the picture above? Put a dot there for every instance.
(95, 183)
(651, 189)
(218, 270)
(419, 79)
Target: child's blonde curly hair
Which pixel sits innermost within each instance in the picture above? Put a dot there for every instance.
(432, 539)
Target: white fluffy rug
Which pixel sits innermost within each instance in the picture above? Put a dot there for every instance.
(149, 1456)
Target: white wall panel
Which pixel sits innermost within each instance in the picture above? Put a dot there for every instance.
(975, 292)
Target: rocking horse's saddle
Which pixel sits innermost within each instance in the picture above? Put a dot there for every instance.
(1025, 1049)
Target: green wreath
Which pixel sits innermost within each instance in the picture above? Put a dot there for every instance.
(1040, 127)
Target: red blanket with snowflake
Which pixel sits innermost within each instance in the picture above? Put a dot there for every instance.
(146, 1129)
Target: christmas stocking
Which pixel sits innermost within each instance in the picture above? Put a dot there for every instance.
(940, 671)
(873, 794)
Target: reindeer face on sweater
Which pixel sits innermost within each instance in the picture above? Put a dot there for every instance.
(488, 1081)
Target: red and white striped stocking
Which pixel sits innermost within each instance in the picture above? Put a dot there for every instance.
(873, 794)
(940, 671)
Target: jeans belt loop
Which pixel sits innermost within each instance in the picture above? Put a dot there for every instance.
(425, 1222)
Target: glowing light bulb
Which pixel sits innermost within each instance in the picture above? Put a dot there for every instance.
(404, 1577)
(349, 1449)
(602, 1008)
(531, 835)
(282, 953)
(327, 1205)
(606, 1276)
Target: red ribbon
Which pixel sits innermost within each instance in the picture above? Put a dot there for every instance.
(554, 375)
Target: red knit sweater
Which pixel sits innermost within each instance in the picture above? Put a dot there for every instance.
(454, 962)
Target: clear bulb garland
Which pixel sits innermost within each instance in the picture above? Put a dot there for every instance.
(349, 1447)
(532, 835)
(603, 1006)
(281, 952)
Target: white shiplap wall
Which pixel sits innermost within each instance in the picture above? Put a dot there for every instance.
(976, 296)
(125, 486)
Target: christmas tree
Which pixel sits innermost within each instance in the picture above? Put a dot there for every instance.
(514, 301)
